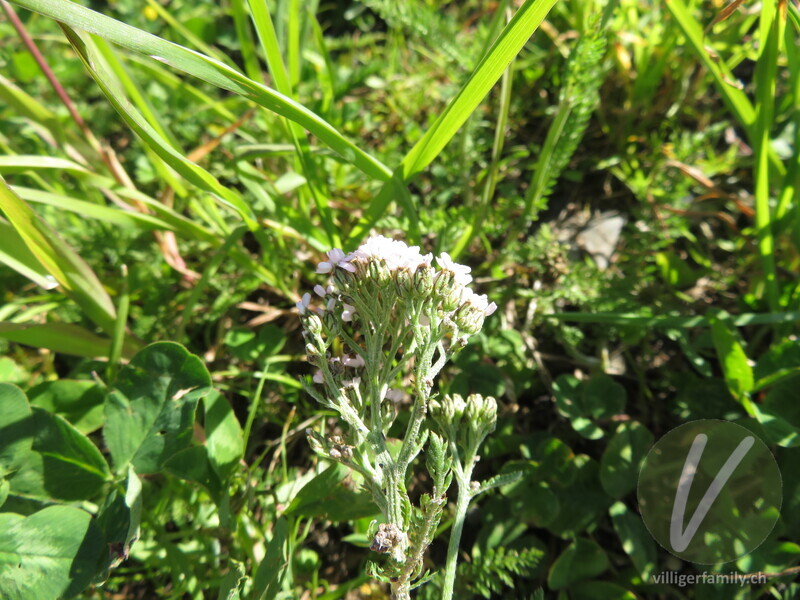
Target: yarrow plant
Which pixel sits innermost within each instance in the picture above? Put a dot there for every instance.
(386, 324)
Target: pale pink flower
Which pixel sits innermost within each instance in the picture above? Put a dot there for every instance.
(336, 258)
(318, 377)
(302, 306)
(355, 362)
(348, 312)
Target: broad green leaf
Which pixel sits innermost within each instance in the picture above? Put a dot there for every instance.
(582, 502)
(584, 402)
(48, 555)
(150, 413)
(64, 464)
(78, 401)
(69, 270)
(193, 464)
(636, 540)
(223, 433)
(16, 428)
(64, 338)
(619, 467)
(325, 496)
(582, 559)
(207, 69)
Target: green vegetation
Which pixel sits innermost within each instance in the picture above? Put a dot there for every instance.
(621, 176)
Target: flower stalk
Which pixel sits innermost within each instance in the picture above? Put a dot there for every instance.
(388, 324)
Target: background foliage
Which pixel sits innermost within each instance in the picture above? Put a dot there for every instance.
(626, 193)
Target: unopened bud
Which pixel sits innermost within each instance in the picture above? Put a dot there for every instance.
(423, 280)
(469, 318)
(403, 281)
(312, 324)
(443, 283)
(452, 299)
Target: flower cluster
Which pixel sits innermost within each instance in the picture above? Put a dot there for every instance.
(380, 260)
(387, 322)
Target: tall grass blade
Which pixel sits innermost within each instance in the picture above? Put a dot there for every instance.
(208, 69)
(67, 268)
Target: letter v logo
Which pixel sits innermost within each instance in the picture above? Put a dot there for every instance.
(709, 491)
(680, 539)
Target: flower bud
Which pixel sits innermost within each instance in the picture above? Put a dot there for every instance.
(312, 324)
(403, 281)
(423, 280)
(447, 412)
(443, 283)
(343, 278)
(469, 318)
(316, 441)
(378, 270)
(481, 415)
(452, 299)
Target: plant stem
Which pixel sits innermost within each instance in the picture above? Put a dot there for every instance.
(464, 497)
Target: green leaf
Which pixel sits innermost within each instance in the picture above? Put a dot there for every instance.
(67, 268)
(267, 580)
(79, 401)
(119, 521)
(584, 402)
(150, 414)
(582, 502)
(636, 540)
(16, 428)
(326, 497)
(232, 586)
(15, 254)
(735, 366)
(600, 590)
(582, 559)
(194, 464)
(619, 467)
(64, 338)
(223, 432)
(64, 464)
(48, 555)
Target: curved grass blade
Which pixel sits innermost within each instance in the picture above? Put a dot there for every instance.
(75, 276)
(207, 69)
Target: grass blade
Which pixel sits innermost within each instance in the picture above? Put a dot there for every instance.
(64, 338)
(210, 70)
(507, 45)
(771, 28)
(15, 254)
(69, 270)
(734, 98)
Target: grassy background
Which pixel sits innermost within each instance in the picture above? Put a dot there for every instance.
(637, 163)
